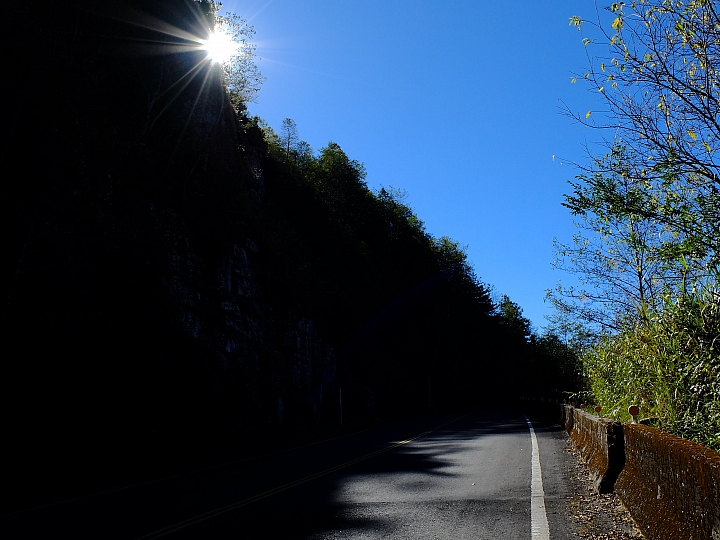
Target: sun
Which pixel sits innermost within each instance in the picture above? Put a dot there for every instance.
(220, 47)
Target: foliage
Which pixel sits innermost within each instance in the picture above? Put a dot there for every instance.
(661, 83)
(619, 254)
(242, 75)
(648, 214)
(572, 331)
(557, 365)
(669, 366)
(422, 329)
(513, 318)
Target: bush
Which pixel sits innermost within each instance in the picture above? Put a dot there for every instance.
(668, 365)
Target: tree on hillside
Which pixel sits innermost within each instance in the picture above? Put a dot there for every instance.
(399, 215)
(451, 255)
(513, 319)
(242, 74)
(341, 181)
(289, 137)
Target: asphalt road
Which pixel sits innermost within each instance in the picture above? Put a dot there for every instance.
(439, 477)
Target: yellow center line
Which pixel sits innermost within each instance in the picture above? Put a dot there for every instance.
(269, 493)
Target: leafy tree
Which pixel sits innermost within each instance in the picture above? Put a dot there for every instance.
(242, 74)
(617, 253)
(648, 209)
(304, 155)
(513, 319)
(652, 203)
(451, 255)
(341, 181)
(660, 80)
(572, 331)
(556, 365)
(289, 137)
(399, 215)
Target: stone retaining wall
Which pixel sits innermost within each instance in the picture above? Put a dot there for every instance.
(600, 442)
(566, 417)
(671, 486)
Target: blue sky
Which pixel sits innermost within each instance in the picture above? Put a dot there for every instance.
(456, 102)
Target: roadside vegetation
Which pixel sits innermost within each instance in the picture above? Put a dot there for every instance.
(647, 207)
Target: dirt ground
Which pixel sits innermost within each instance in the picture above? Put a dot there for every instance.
(598, 517)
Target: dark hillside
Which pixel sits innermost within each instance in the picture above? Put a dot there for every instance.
(175, 285)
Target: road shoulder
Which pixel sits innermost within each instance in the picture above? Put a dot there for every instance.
(598, 517)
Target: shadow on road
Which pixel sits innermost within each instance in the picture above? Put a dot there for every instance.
(365, 500)
(362, 485)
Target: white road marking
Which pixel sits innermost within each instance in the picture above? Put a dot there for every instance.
(539, 529)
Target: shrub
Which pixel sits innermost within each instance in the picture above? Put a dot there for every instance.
(668, 365)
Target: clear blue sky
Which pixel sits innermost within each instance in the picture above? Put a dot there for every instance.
(456, 102)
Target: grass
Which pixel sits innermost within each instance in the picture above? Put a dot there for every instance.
(668, 365)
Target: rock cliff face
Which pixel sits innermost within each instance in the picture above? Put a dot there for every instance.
(136, 318)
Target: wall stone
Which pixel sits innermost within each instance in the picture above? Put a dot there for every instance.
(670, 485)
(566, 417)
(600, 442)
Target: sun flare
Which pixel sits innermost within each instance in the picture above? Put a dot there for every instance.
(220, 47)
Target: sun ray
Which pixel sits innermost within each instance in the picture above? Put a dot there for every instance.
(220, 46)
(192, 110)
(258, 12)
(188, 78)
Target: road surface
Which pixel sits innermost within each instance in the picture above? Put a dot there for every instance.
(463, 476)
